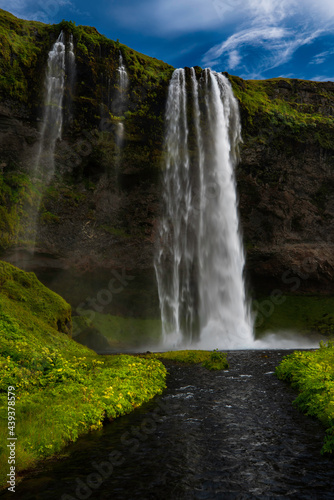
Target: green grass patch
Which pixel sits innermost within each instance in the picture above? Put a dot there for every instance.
(214, 360)
(63, 389)
(312, 373)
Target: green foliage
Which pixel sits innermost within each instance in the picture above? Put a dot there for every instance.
(115, 231)
(312, 373)
(217, 361)
(21, 45)
(211, 360)
(269, 106)
(17, 196)
(63, 389)
(50, 218)
(21, 291)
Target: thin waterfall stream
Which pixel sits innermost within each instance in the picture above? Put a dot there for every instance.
(43, 167)
(121, 101)
(52, 120)
(199, 260)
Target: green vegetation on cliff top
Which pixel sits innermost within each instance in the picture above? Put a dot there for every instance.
(299, 109)
(62, 388)
(24, 46)
(312, 373)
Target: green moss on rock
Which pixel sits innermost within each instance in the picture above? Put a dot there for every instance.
(62, 388)
(283, 107)
(26, 292)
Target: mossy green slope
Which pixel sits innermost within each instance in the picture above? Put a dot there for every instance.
(301, 110)
(312, 373)
(63, 389)
(21, 45)
(21, 291)
(17, 197)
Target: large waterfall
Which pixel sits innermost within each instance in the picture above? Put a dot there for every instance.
(199, 258)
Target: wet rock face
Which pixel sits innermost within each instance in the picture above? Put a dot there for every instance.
(287, 213)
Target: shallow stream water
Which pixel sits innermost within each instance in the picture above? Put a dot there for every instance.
(210, 435)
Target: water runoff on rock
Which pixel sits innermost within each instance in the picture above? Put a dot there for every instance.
(199, 258)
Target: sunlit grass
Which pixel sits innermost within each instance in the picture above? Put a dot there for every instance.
(212, 360)
(312, 373)
(62, 388)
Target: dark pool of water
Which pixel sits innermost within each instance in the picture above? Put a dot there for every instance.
(224, 435)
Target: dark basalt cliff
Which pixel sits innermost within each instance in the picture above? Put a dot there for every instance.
(101, 209)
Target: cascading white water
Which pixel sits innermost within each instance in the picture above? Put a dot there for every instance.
(123, 83)
(52, 120)
(42, 169)
(123, 79)
(175, 256)
(71, 65)
(199, 260)
(71, 71)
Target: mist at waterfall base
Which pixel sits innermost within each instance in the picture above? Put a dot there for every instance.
(199, 259)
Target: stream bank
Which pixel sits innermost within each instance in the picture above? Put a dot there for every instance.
(227, 435)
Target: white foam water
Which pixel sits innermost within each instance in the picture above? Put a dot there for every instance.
(199, 260)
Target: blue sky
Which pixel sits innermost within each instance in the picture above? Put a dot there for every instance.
(249, 38)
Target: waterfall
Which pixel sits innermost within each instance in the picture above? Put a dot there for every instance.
(42, 169)
(199, 259)
(52, 120)
(123, 83)
(71, 71)
(123, 79)
(71, 65)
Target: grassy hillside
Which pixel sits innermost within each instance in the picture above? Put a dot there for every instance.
(312, 373)
(299, 109)
(62, 388)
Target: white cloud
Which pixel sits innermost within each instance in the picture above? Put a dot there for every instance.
(38, 10)
(321, 58)
(272, 29)
(234, 59)
(167, 17)
(170, 17)
(275, 46)
(323, 78)
(275, 29)
(256, 37)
